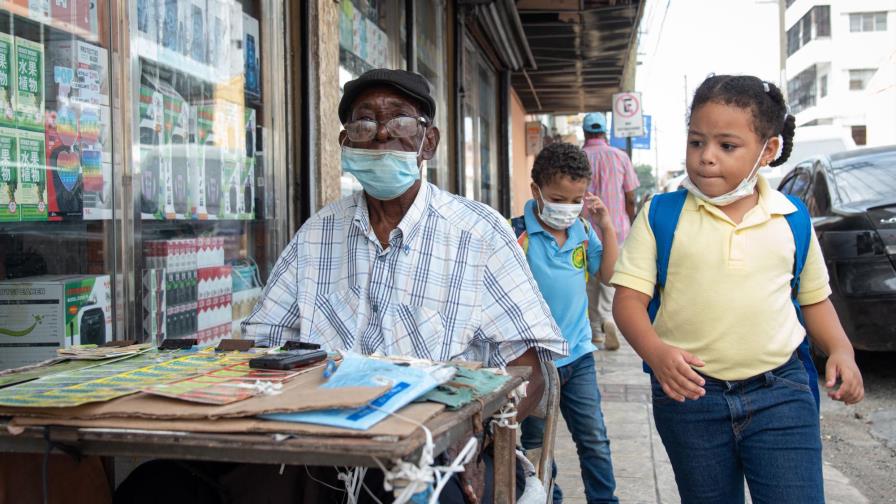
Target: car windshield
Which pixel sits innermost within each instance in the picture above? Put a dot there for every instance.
(869, 178)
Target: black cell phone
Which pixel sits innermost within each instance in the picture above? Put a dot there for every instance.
(299, 345)
(288, 360)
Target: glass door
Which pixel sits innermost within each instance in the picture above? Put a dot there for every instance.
(480, 123)
(203, 187)
(57, 238)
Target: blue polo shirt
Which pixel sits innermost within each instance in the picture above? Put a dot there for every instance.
(560, 274)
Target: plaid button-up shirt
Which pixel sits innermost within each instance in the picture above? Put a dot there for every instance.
(453, 284)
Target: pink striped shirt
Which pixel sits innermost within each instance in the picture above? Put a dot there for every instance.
(612, 175)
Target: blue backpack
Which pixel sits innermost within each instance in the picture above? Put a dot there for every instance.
(665, 210)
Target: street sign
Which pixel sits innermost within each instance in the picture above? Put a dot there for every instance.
(627, 115)
(638, 142)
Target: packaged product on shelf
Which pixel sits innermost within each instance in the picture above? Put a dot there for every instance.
(86, 19)
(176, 128)
(38, 315)
(9, 175)
(31, 193)
(214, 304)
(210, 162)
(7, 80)
(80, 71)
(251, 52)
(197, 31)
(154, 305)
(247, 176)
(209, 251)
(38, 10)
(170, 15)
(29, 85)
(96, 161)
(233, 188)
(151, 122)
(246, 293)
(234, 66)
(63, 13)
(64, 178)
(216, 24)
(148, 20)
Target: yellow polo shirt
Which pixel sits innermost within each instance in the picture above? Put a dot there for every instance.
(727, 293)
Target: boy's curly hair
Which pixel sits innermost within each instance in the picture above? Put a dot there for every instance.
(560, 159)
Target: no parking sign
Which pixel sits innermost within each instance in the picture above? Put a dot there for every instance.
(628, 119)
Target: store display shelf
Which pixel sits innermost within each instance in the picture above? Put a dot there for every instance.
(49, 22)
(152, 51)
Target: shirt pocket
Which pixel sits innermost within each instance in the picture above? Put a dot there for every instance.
(335, 321)
(420, 331)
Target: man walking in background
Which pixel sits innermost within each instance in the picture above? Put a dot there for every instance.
(614, 181)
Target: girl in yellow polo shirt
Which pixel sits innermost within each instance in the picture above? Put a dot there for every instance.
(730, 398)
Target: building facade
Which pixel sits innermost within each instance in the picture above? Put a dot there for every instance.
(157, 155)
(838, 66)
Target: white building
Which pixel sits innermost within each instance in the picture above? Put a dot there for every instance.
(839, 59)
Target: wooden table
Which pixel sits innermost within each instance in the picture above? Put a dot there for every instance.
(447, 428)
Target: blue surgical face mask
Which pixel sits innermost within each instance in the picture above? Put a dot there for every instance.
(384, 174)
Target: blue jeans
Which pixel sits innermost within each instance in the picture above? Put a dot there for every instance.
(764, 429)
(580, 405)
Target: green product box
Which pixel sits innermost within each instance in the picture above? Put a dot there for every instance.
(39, 315)
(7, 59)
(31, 194)
(9, 175)
(29, 85)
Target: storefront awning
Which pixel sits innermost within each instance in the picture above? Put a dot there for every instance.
(584, 52)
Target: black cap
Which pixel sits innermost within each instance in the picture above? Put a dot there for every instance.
(409, 83)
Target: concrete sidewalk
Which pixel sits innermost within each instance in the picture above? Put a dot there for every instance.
(643, 472)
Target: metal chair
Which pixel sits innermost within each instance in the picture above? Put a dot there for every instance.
(543, 457)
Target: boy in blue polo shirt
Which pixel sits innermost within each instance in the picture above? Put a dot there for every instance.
(563, 251)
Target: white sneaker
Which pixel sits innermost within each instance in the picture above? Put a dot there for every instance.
(610, 335)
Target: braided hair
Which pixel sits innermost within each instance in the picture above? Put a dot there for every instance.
(771, 117)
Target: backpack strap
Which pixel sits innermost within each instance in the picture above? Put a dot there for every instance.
(800, 223)
(665, 210)
(519, 230)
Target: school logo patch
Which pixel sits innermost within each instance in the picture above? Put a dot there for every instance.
(578, 257)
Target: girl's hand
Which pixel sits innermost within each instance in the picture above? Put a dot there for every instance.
(597, 210)
(842, 365)
(672, 368)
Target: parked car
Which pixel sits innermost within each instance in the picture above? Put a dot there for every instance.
(852, 199)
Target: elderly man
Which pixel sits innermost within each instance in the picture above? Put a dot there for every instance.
(404, 268)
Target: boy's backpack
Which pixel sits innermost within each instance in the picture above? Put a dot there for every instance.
(522, 238)
(665, 210)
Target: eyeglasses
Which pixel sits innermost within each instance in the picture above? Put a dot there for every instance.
(364, 130)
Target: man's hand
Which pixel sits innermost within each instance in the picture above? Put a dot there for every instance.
(842, 365)
(672, 368)
(536, 383)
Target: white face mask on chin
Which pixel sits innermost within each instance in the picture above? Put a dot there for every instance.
(746, 187)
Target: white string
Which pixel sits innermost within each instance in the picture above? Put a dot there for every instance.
(319, 482)
(407, 479)
(506, 417)
(353, 479)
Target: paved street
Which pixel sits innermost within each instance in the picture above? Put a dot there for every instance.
(643, 472)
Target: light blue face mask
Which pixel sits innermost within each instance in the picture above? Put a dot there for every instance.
(384, 174)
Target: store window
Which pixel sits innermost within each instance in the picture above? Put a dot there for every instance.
(480, 127)
(203, 211)
(432, 63)
(369, 37)
(56, 211)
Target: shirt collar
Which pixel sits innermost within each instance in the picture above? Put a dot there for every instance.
(596, 141)
(409, 224)
(574, 236)
(771, 202)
